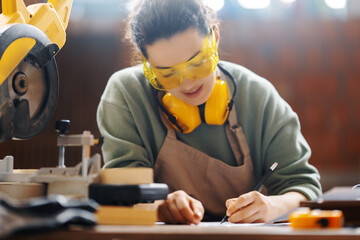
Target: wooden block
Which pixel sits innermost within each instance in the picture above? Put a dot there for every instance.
(133, 176)
(71, 189)
(120, 215)
(16, 171)
(22, 191)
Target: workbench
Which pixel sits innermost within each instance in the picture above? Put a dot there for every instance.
(189, 232)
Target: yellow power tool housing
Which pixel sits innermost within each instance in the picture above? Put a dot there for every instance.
(30, 37)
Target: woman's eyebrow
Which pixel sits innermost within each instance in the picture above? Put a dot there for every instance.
(175, 65)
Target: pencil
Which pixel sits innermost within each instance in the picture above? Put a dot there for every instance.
(256, 187)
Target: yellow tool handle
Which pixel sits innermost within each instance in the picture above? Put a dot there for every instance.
(51, 18)
(13, 6)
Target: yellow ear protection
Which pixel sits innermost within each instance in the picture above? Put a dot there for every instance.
(185, 117)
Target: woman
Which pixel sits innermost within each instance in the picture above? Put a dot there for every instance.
(209, 128)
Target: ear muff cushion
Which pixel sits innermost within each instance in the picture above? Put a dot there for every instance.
(186, 115)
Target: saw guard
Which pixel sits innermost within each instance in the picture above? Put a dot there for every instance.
(32, 108)
(30, 37)
(13, 54)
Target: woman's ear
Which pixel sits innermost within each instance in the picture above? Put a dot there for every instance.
(216, 30)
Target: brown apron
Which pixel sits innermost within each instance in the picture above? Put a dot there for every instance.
(207, 179)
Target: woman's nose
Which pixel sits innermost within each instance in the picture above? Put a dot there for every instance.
(187, 84)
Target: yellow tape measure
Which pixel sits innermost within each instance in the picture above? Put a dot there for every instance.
(306, 218)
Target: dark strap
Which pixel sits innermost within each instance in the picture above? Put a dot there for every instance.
(236, 137)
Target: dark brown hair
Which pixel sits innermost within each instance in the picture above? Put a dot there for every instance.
(151, 20)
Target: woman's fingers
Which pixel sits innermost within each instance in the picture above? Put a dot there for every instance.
(241, 202)
(248, 208)
(197, 208)
(247, 214)
(164, 214)
(229, 202)
(179, 207)
(183, 207)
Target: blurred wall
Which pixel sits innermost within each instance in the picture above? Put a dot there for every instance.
(313, 63)
(315, 66)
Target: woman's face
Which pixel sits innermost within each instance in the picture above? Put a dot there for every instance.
(177, 49)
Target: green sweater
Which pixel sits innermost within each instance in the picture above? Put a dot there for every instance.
(129, 120)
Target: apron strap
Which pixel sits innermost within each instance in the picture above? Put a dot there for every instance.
(236, 138)
(170, 130)
(234, 132)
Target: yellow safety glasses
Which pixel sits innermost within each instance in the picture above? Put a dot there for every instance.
(200, 66)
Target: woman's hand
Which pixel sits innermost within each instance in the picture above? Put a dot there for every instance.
(254, 207)
(179, 207)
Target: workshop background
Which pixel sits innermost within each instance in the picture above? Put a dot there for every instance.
(309, 49)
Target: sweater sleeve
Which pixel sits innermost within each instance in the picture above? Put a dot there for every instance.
(283, 142)
(122, 145)
(126, 141)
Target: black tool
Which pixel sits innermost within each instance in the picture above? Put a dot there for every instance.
(127, 195)
(62, 127)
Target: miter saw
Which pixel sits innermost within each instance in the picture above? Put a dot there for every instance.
(30, 37)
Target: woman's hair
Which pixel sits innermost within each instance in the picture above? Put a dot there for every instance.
(151, 20)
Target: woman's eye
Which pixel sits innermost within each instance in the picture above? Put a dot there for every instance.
(168, 75)
(199, 63)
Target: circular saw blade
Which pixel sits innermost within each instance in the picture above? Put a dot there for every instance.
(34, 92)
(29, 83)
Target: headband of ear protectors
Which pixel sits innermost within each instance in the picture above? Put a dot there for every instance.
(185, 117)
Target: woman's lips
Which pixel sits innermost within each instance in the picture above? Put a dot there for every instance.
(193, 93)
